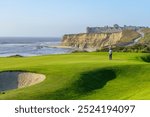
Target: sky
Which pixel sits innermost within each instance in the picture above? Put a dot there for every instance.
(54, 18)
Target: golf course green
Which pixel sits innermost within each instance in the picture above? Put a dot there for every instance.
(87, 76)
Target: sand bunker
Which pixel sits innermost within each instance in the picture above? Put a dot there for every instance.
(14, 80)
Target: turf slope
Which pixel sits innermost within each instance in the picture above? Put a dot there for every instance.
(83, 76)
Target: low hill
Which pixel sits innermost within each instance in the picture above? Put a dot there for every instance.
(129, 36)
(142, 45)
(146, 39)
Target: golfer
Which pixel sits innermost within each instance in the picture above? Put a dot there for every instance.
(110, 54)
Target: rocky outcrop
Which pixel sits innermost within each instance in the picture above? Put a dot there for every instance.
(94, 41)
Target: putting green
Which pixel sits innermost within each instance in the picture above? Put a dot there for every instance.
(83, 76)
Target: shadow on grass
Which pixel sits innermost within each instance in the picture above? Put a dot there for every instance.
(93, 80)
(146, 58)
(87, 83)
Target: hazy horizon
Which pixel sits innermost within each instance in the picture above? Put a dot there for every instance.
(54, 18)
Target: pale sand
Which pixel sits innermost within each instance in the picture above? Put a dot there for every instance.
(14, 80)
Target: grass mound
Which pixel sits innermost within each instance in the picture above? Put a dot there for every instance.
(87, 83)
(92, 80)
(146, 58)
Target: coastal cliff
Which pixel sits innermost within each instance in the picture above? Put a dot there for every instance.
(94, 41)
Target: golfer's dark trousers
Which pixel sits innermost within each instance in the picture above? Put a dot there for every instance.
(110, 56)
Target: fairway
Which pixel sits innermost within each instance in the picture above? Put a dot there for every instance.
(88, 76)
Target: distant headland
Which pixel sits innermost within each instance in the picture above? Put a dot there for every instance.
(100, 38)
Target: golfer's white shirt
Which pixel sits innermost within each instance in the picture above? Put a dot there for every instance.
(110, 51)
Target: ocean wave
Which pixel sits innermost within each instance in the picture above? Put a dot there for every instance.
(25, 48)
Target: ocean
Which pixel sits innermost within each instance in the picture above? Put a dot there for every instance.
(30, 46)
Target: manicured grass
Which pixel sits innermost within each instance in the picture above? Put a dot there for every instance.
(83, 76)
